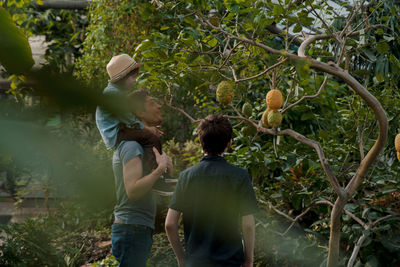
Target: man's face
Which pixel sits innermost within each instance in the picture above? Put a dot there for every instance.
(152, 113)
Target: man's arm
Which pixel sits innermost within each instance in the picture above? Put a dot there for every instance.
(248, 229)
(137, 186)
(171, 228)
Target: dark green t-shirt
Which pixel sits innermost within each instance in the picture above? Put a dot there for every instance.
(213, 196)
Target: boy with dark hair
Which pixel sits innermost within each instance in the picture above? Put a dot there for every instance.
(212, 196)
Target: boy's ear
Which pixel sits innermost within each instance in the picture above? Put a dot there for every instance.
(228, 145)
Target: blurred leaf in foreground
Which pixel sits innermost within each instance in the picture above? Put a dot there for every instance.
(15, 52)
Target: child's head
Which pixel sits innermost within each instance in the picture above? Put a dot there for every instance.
(215, 134)
(128, 80)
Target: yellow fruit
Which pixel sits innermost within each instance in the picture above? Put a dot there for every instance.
(397, 142)
(264, 118)
(247, 109)
(274, 118)
(274, 99)
(398, 156)
(225, 93)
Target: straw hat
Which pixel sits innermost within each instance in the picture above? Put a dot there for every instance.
(119, 66)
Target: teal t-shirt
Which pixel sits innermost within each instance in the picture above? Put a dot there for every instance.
(126, 211)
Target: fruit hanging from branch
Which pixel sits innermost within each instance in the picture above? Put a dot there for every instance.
(225, 93)
(247, 109)
(274, 99)
(248, 130)
(274, 118)
(264, 118)
(397, 145)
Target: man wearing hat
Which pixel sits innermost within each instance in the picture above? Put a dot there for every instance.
(136, 206)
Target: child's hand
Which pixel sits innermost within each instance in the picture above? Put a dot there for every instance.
(155, 130)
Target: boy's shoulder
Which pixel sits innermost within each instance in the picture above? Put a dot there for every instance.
(227, 167)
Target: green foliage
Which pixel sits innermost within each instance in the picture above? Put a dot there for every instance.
(185, 61)
(18, 58)
(107, 262)
(69, 237)
(29, 244)
(183, 155)
(63, 30)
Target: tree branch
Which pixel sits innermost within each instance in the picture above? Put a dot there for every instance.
(307, 96)
(192, 120)
(261, 73)
(298, 217)
(373, 103)
(229, 55)
(362, 238)
(310, 40)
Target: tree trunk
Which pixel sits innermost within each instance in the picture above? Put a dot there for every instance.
(334, 238)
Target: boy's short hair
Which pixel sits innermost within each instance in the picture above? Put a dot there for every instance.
(215, 132)
(137, 100)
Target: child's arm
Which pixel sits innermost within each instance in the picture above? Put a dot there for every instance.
(155, 130)
(248, 229)
(171, 228)
(146, 136)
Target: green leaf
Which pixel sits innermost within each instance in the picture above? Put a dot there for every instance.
(15, 52)
(213, 42)
(297, 28)
(382, 47)
(277, 10)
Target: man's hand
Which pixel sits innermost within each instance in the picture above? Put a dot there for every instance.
(162, 160)
(248, 230)
(171, 229)
(170, 167)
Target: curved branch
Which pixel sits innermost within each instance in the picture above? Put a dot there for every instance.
(319, 202)
(307, 96)
(372, 102)
(261, 73)
(317, 147)
(301, 138)
(353, 83)
(192, 120)
(364, 236)
(310, 40)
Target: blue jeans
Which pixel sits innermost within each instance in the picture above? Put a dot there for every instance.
(131, 244)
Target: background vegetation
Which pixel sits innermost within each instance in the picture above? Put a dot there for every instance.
(184, 62)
